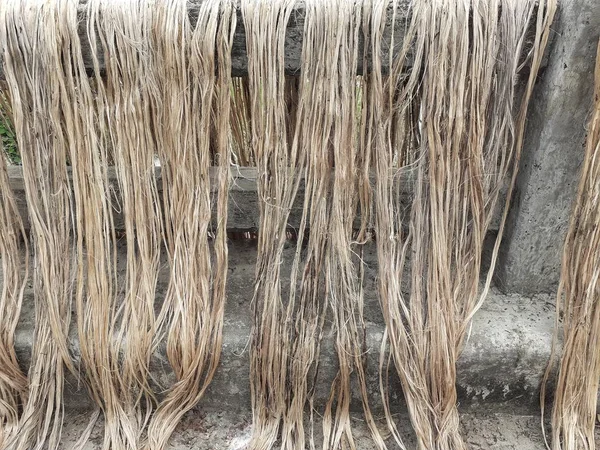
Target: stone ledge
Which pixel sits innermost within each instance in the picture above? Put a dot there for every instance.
(224, 430)
(501, 365)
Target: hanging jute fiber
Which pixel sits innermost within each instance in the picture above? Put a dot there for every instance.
(66, 117)
(456, 123)
(13, 382)
(401, 135)
(578, 306)
(44, 138)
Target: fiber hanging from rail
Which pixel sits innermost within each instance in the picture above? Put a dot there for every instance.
(455, 123)
(44, 138)
(13, 382)
(193, 69)
(111, 119)
(446, 117)
(321, 145)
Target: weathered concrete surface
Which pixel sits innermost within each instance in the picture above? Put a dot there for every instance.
(500, 368)
(223, 430)
(552, 154)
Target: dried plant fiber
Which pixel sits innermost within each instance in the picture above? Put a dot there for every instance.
(448, 116)
(34, 55)
(65, 118)
(13, 382)
(455, 123)
(279, 176)
(193, 79)
(314, 135)
(578, 304)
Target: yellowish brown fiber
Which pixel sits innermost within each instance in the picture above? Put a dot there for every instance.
(33, 37)
(277, 184)
(310, 135)
(124, 30)
(325, 265)
(156, 99)
(13, 240)
(446, 116)
(578, 304)
(96, 283)
(193, 67)
(461, 123)
(335, 108)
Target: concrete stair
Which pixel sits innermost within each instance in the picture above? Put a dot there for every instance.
(499, 370)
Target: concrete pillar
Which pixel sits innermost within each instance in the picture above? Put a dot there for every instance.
(530, 256)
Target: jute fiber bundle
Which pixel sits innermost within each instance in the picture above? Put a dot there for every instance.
(193, 106)
(447, 118)
(13, 382)
(578, 304)
(125, 31)
(63, 117)
(320, 144)
(32, 58)
(455, 124)
(278, 167)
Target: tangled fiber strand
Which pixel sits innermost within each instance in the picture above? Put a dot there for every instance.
(277, 184)
(85, 125)
(456, 110)
(33, 48)
(306, 306)
(326, 134)
(241, 132)
(125, 33)
(447, 114)
(340, 22)
(193, 68)
(575, 395)
(13, 382)
(316, 140)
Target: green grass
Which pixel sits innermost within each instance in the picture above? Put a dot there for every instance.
(9, 142)
(7, 132)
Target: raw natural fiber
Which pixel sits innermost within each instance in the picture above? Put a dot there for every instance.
(319, 143)
(13, 382)
(455, 126)
(578, 306)
(32, 50)
(193, 69)
(278, 178)
(92, 123)
(440, 129)
(127, 332)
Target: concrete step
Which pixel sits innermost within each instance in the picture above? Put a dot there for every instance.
(225, 430)
(499, 370)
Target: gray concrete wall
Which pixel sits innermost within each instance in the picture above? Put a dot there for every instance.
(554, 145)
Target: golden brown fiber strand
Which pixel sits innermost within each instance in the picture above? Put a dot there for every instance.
(32, 37)
(193, 67)
(578, 302)
(461, 134)
(325, 122)
(278, 180)
(241, 133)
(340, 22)
(125, 30)
(85, 124)
(306, 304)
(321, 130)
(13, 382)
